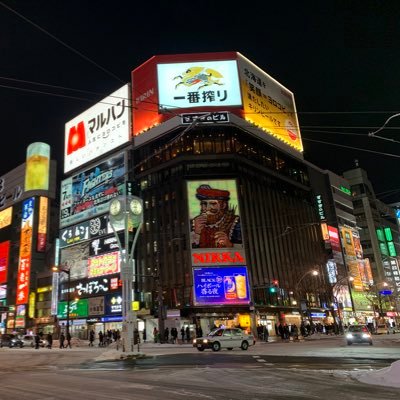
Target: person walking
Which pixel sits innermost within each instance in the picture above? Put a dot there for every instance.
(187, 331)
(37, 341)
(62, 339)
(69, 340)
(91, 338)
(183, 334)
(144, 335)
(49, 341)
(101, 338)
(166, 335)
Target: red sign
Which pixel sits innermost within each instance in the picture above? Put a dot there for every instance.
(4, 251)
(334, 238)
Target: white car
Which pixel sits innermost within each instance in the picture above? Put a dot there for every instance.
(29, 341)
(224, 338)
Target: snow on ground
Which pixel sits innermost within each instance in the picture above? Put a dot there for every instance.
(389, 376)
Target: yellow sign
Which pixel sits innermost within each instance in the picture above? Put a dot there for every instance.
(5, 217)
(268, 104)
(135, 305)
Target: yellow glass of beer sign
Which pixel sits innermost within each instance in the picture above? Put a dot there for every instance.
(37, 166)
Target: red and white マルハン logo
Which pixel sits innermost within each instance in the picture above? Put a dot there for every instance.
(76, 138)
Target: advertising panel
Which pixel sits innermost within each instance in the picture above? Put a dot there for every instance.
(4, 253)
(98, 130)
(20, 316)
(146, 113)
(75, 259)
(96, 305)
(37, 166)
(42, 226)
(221, 286)
(198, 84)
(3, 291)
(85, 230)
(347, 241)
(77, 309)
(215, 228)
(91, 287)
(268, 104)
(25, 251)
(335, 244)
(105, 264)
(5, 217)
(104, 245)
(88, 193)
(113, 304)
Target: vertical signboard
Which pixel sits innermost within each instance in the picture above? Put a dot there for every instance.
(42, 224)
(4, 253)
(215, 228)
(25, 251)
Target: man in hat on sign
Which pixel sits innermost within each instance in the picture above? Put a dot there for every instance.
(217, 225)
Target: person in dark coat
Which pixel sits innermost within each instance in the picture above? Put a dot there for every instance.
(49, 341)
(62, 339)
(37, 341)
(187, 330)
(183, 334)
(68, 340)
(91, 338)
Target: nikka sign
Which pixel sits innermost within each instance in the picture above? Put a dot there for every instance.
(215, 257)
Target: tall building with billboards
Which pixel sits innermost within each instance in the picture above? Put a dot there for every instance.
(27, 226)
(231, 232)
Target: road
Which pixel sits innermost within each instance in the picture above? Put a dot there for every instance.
(313, 369)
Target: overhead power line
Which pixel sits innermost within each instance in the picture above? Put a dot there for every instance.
(62, 43)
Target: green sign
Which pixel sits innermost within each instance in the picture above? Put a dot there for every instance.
(77, 309)
(345, 190)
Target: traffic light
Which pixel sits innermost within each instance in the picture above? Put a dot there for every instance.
(274, 286)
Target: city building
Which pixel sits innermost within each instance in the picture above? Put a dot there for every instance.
(28, 226)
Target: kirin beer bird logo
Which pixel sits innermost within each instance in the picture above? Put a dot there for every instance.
(199, 76)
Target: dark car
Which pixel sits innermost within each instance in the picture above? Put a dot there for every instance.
(358, 334)
(10, 340)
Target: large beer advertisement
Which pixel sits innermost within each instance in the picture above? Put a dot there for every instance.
(198, 84)
(215, 226)
(221, 286)
(88, 193)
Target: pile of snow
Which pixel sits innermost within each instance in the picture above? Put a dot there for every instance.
(389, 376)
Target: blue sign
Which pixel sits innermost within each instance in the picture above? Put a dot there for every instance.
(221, 285)
(386, 292)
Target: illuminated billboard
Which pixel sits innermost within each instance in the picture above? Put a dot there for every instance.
(5, 217)
(268, 104)
(37, 171)
(42, 225)
(198, 84)
(4, 253)
(88, 193)
(76, 260)
(105, 264)
(215, 226)
(98, 130)
(221, 286)
(25, 251)
(77, 309)
(170, 85)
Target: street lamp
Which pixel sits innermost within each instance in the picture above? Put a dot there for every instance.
(68, 272)
(312, 272)
(126, 213)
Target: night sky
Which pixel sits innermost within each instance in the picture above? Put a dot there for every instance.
(341, 60)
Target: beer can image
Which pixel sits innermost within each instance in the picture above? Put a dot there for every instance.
(241, 286)
(229, 288)
(37, 166)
